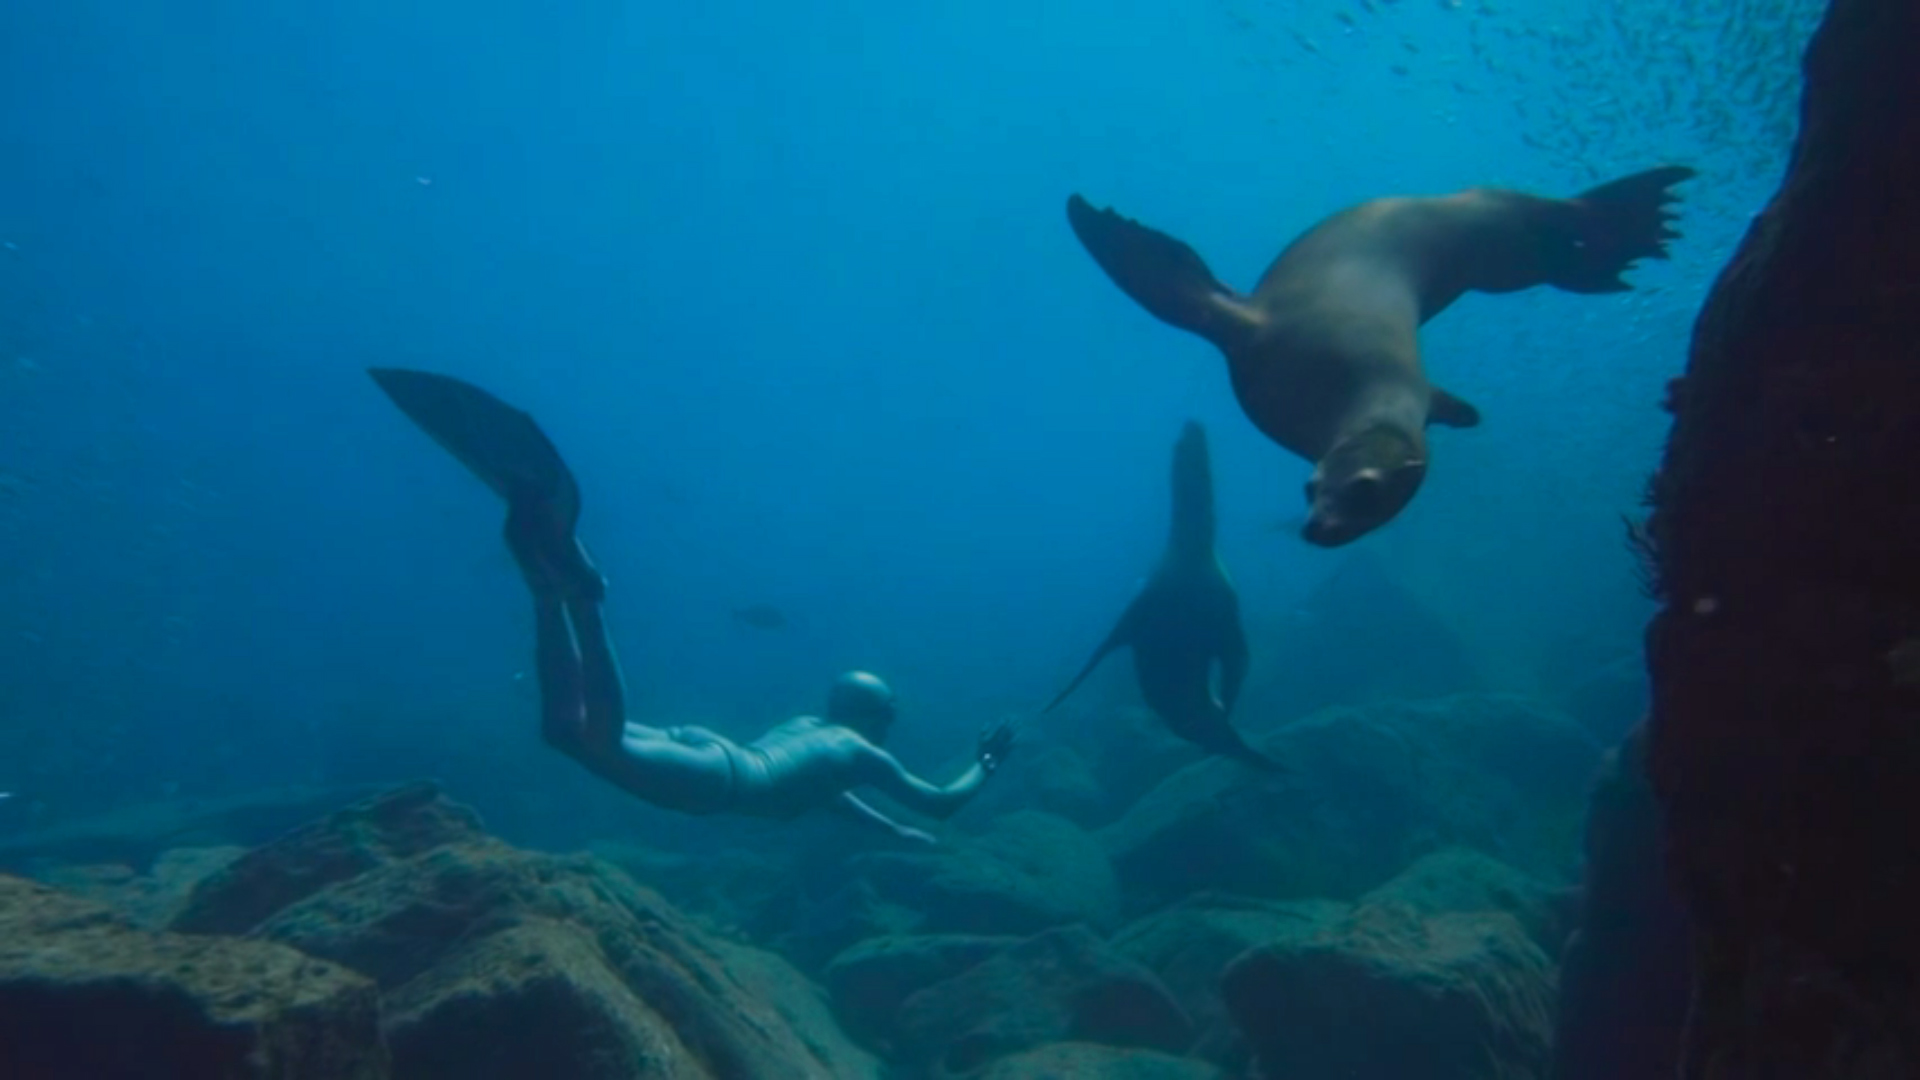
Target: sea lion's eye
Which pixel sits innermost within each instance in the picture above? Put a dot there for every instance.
(1363, 492)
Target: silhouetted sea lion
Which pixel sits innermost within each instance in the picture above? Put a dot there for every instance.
(1324, 354)
(1185, 619)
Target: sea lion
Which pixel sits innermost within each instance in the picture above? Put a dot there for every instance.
(1324, 354)
(1185, 619)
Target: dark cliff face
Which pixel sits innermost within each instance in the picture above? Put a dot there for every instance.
(1785, 742)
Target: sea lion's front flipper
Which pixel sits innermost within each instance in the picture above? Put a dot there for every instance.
(1160, 273)
(1444, 408)
(497, 442)
(1234, 660)
(1121, 634)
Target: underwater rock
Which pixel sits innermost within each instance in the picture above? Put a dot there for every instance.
(1367, 791)
(1784, 532)
(377, 831)
(84, 993)
(1087, 1061)
(1027, 872)
(1053, 779)
(868, 982)
(1064, 985)
(1389, 993)
(497, 962)
(1610, 701)
(153, 899)
(1626, 974)
(1465, 881)
(1188, 946)
(135, 835)
(1125, 749)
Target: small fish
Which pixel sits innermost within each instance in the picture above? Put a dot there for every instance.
(761, 617)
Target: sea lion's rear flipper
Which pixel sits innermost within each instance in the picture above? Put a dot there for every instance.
(1160, 273)
(1604, 230)
(1444, 408)
(495, 441)
(1121, 634)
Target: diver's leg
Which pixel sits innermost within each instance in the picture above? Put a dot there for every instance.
(603, 701)
(557, 660)
(562, 689)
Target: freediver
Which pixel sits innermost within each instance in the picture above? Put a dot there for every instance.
(806, 763)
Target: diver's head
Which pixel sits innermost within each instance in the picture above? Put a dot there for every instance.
(859, 700)
(1361, 484)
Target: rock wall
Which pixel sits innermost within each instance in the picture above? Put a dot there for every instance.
(1786, 540)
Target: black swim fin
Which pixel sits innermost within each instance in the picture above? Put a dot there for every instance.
(495, 441)
(1160, 273)
(1603, 231)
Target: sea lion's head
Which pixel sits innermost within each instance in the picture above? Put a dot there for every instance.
(1361, 484)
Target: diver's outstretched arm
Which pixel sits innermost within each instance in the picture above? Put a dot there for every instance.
(884, 772)
(880, 769)
(851, 805)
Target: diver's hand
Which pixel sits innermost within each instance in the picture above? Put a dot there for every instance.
(995, 744)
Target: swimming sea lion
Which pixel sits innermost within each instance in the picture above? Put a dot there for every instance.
(1185, 619)
(1324, 356)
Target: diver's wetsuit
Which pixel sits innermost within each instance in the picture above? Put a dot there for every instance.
(803, 764)
(800, 765)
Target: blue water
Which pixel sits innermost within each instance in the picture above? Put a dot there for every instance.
(791, 287)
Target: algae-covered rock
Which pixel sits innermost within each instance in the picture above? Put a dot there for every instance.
(136, 834)
(1460, 880)
(1088, 1061)
(869, 982)
(501, 963)
(1189, 946)
(1064, 985)
(1028, 872)
(85, 993)
(1389, 993)
(1364, 793)
(153, 899)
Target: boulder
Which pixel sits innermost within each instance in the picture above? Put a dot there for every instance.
(1063, 985)
(1089, 1061)
(868, 982)
(377, 831)
(85, 993)
(136, 834)
(1389, 993)
(1366, 791)
(1028, 872)
(1626, 974)
(153, 899)
(1053, 778)
(1465, 881)
(1785, 657)
(496, 962)
(1188, 946)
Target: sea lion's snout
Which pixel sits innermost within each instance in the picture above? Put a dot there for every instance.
(1345, 508)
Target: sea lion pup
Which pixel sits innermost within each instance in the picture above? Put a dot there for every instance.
(1324, 354)
(1185, 619)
